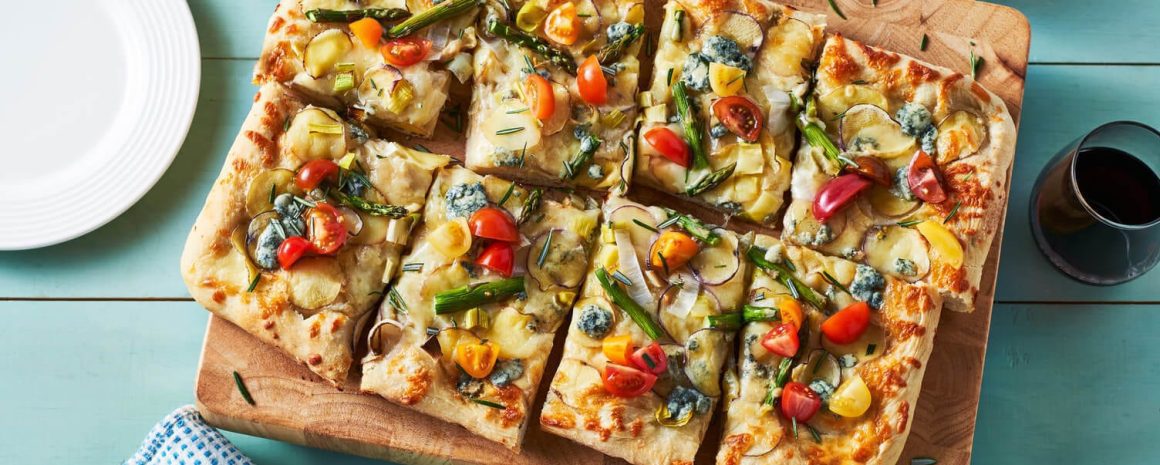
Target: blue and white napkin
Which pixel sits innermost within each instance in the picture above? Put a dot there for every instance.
(183, 438)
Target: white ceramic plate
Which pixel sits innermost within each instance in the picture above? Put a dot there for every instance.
(95, 100)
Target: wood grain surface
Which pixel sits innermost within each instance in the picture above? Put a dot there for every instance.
(293, 405)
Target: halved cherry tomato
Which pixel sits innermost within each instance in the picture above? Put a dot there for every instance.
(497, 257)
(925, 179)
(618, 349)
(541, 97)
(477, 359)
(291, 249)
(873, 169)
(651, 358)
(314, 172)
(368, 31)
(782, 340)
(405, 51)
(837, 193)
(591, 83)
(848, 324)
(799, 401)
(790, 312)
(622, 381)
(740, 116)
(493, 223)
(324, 228)
(672, 250)
(669, 144)
(563, 24)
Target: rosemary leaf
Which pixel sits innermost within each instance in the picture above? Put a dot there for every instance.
(242, 388)
(544, 251)
(925, 41)
(488, 403)
(954, 211)
(506, 131)
(833, 6)
(644, 225)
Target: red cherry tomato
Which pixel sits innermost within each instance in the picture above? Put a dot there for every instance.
(740, 116)
(669, 144)
(925, 179)
(848, 324)
(541, 97)
(622, 381)
(493, 223)
(314, 172)
(591, 83)
(782, 340)
(293, 248)
(799, 401)
(497, 257)
(837, 193)
(405, 51)
(651, 358)
(324, 228)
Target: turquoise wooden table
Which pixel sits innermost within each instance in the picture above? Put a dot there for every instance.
(99, 338)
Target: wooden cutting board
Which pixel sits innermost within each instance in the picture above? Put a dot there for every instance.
(294, 405)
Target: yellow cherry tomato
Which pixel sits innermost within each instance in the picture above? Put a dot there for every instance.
(726, 80)
(672, 250)
(563, 24)
(451, 239)
(851, 399)
(790, 311)
(618, 349)
(943, 241)
(476, 358)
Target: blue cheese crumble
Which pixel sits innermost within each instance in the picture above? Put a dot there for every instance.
(718, 131)
(506, 372)
(594, 321)
(266, 252)
(685, 402)
(905, 266)
(464, 199)
(595, 172)
(868, 285)
(618, 30)
(823, 388)
(930, 140)
(914, 119)
(847, 361)
(695, 72)
(725, 51)
(823, 235)
(901, 186)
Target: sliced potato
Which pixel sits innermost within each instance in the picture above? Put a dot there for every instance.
(374, 230)
(868, 129)
(860, 349)
(897, 251)
(626, 218)
(846, 97)
(705, 355)
(377, 84)
(718, 263)
(788, 44)
(317, 133)
(749, 157)
(511, 127)
(959, 135)
(739, 27)
(324, 51)
(512, 332)
(563, 264)
(804, 229)
(885, 204)
(267, 185)
(315, 282)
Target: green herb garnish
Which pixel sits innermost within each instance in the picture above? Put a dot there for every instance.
(834, 281)
(833, 6)
(507, 194)
(506, 131)
(532, 42)
(617, 275)
(664, 262)
(954, 211)
(254, 282)
(612, 51)
(637, 313)
(644, 225)
(488, 403)
(321, 15)
(396, 301)
(923, 461)
(756, 255)
(907, 224)
(413, 266)
(925, 41)
(870, 349)
(976, 63)
(544, 250)
(813, 431)
(242, 388)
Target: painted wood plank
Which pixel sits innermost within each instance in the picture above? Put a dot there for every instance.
(136, 254)
(231, 28)
(1061, 104)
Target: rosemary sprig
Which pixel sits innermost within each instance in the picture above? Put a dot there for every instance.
(413, 266)
(395, 300)
(925, 41)
(908, 224)
(254, 282)
(321, 15)
(976, 63)
(612, 51)
(644, 225)
(837, 11)
(507, 194)
(506, 131)
(834, 281)
(488, 403)
(813, 431)
(544, 250)
(923, 461)
(617, 275)
(664, 261)
(242, 388)
(954, 212)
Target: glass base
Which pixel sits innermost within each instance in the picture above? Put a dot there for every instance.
(1076, 258)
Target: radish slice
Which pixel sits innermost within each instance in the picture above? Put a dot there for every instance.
(686, 297)
(563, 265)
(629, 265)
(717, 264)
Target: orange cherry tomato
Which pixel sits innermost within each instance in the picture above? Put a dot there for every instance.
(291, 249)
(872, 168)
(651, 359)
(493, 223)
(368, 31)
(497, 257)
(405, 51)
(591, 83)
(541, 97)
(782, 340)
(622, 381)
(563, 24)
(314, 172)
(672, 250)
(848, 324)
(324, 228)
(925, 179)
(790, 312)
(799, 401)
(740, 116)
(618, 349)
(669, 144)
(477, 359)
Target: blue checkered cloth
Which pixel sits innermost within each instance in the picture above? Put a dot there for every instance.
(183, 438)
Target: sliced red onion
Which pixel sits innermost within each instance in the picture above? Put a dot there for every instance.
(629, 265)
(439, 34)
(778, 119)
(383, 336)
(686, 298)
(717, 264)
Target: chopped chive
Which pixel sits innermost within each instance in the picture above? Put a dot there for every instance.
(669, 222)
(272, 188)
(814, 432)
(794, 419)
(529, 68)
(508, 194)
(925, 41)
(833, 6)
(544, 251)
(669, 77)
(414, 266)
(286, 124)
(242, 388)
(432, 331)
(521, 110)
(840, 115)
(644, 225)
(648, 361)
(488, 403)
(907, 224)
(870, 349)
(954, 211)
(504, 132)
(617, 275)
(254, 282)
(976, 63)
(834, 281)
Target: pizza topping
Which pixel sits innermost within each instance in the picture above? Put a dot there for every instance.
(618, 349)
(476, 295)
(620, 36)
(740, 115)
(316, 133)
(595, 321)
(589, 144)
(799, 402)
(368, 31)
(925, 179)
(498, 257)
(494, 223)
(959, 135)
(913, 118)
(530, 16)
(590, 81)
(867, 129)
(532, 42)
(672, 250)
(506, 372)
(462, 200)
(405, 51)
(266, 187)
(651, 358)
(898, 251)
(946, 246)
(837, 193)
(872, 168)
(901, 185)
(563, 24)
(848, 324)
(452, 239)
(726, 80)
(868, 285)
(695, 72)
(638, 314)
(541, 97)
(822, 388)
(324, 51)
(441, 11)
(292, 249)
(623, 381)
(723, 50)
(558, 259)
(782, 340)
(314, 172)
(719, 261)
(685, 402)
(669, 144)
(851, 399)
(476, 358)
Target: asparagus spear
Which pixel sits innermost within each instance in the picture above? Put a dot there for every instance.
(471, 296)
(322, 15)
(506, 32)
(446, 10)
(691, 125)
(799, 289)
(588, 146)
(694, 227)
(815, 135)
(531, 203)
(611, 51)
(748, 314)
(366, 206)
(710, 180)
(638, 314)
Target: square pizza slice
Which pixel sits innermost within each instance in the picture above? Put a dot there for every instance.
(307, 217)
(823, 375)
(464, 332)
(390, 61)
(718, 120)
(640, 374)
(554, 95)
(903, 167)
